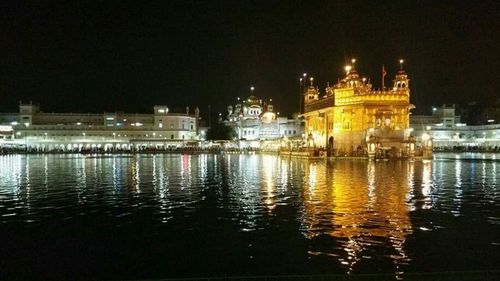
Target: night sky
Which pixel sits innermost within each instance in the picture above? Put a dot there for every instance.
(95, 56)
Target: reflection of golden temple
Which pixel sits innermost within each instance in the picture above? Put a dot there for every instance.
(365, 211)
(353, 119)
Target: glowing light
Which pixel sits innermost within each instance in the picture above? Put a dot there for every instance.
(425, 137)
(5, 128)
(252, 88)
(348, 68)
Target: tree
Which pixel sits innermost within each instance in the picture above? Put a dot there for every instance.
(221, 132)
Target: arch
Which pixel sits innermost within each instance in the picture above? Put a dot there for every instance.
(329, 151)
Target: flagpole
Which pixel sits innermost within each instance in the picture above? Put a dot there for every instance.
(383, 77)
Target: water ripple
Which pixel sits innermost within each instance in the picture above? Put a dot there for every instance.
(351, 213)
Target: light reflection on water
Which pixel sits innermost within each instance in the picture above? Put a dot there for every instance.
(352, 213)
(363, 203)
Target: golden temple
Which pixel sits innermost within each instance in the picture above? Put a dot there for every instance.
(353, 119)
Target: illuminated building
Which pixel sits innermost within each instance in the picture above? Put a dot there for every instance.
(351, 118)
(42, 131)
(255, 119)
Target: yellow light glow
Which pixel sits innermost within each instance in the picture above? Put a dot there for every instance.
(348, 68)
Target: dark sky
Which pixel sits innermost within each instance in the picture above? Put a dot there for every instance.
(99, 56)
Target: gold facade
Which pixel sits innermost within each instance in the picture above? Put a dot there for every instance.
(350, 112)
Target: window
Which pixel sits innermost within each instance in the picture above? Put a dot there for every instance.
(171, 137)
(192, 127)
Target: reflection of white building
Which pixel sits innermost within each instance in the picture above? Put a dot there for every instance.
(447, 132)
(76, 131)
(254, 119)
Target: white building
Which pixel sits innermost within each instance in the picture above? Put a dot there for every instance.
(37, 130)
(448, 133)
(254, 119)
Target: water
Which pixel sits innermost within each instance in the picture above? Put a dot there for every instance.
(159, 216)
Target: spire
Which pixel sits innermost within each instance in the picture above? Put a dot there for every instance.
(401, 81)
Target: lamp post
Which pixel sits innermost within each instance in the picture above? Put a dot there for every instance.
(300, 95)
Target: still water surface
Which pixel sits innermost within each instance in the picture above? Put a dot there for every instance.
(159, 216)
